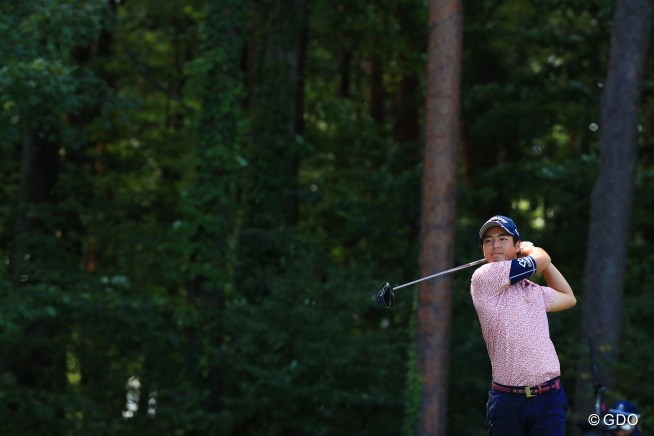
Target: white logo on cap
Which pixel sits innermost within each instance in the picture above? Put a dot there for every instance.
(498, 218)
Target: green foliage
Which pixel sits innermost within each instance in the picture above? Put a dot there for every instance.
(35, 77)
(308, 352)
(205, 234)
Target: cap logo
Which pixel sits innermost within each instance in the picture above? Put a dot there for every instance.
(504, 222)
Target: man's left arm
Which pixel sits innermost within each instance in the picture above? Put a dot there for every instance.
(564, 297)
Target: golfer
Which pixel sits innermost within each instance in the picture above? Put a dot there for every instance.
(526, 396)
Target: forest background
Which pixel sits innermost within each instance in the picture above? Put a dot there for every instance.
(199, 200)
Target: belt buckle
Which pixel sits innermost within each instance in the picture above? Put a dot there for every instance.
(528, 392)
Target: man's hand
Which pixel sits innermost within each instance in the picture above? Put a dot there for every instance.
(525, 248)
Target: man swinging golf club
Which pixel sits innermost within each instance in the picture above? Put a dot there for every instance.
(526, 396)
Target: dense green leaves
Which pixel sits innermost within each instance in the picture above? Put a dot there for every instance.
(220, 186)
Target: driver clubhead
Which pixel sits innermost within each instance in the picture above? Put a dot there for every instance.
(386, 295)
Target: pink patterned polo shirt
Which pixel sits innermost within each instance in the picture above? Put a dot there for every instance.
(512, 314)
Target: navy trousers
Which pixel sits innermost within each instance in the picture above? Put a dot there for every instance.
(510, 414)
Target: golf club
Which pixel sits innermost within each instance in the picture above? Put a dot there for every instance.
(386, 294)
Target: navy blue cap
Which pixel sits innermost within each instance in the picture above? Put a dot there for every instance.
(624, 407)
(500, 221)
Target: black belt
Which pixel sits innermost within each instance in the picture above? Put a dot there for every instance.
(529, 391)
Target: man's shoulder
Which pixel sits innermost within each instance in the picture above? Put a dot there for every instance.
(492, 275)
(492, 268)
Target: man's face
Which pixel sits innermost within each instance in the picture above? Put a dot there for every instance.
(498, 245)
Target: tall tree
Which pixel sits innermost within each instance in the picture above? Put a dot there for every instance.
(275, 96)
(438, 208)
(612, 196)
(276, 100)
(212, 203)
(39, 87)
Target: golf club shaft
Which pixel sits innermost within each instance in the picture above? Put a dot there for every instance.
(467, 265)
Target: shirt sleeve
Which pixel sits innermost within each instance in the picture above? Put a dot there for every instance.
(490, 279)
(548, 297)
(521, 269)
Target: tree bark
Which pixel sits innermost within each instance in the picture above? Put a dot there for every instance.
(376, 97)
(438, 209)
(612, 197)
(28, 153)
(276, 71)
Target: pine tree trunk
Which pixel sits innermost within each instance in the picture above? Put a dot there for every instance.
(276, 70)
(212, 201)
(28, 153)
(438, 209)
(612, 197)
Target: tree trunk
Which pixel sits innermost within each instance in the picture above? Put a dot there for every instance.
(21, 224)
(438, 209)
(277, 75)
(611, 201)
(344, 74)
(376, 97)
(212, 200)
(38, 174)
(407, 128)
